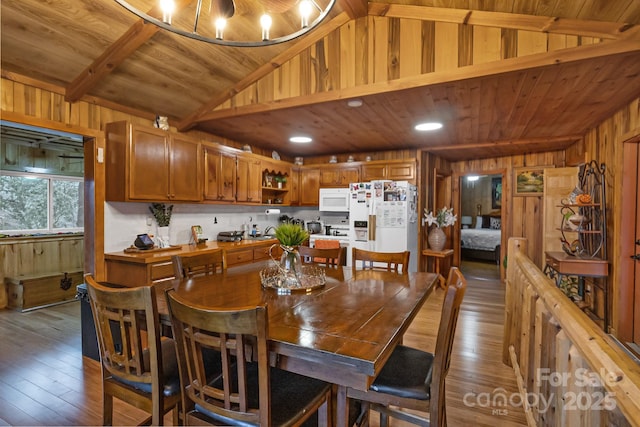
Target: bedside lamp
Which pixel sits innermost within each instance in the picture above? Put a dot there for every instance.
(466, 221)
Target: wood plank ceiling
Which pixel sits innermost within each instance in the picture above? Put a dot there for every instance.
(100, 52)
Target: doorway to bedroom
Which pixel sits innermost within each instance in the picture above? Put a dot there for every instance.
(480, 221)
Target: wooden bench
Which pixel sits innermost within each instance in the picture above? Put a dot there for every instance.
(38, 290)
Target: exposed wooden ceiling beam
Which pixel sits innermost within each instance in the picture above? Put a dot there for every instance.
(137, 35)
(600, 29)
(355, 8)
(321, 32)
(493, 145)
(630, 43)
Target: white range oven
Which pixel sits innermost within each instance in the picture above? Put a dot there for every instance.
(339, 233)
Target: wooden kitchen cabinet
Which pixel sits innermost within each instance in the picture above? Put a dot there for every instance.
(185, 170)
(219, 175)
(338, 175)
(239, 257)
(249, 180)
(259, 252)
(148, 164)
(309, 187)
(294, 187)
(143, 268)
(395, 170)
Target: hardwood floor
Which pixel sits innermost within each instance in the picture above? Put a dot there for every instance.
(44, 380)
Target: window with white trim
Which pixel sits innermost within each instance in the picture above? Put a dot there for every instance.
(38, 203)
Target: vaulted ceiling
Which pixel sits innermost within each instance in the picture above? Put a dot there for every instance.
(101, 53)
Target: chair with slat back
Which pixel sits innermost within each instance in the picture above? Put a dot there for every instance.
(247, 393)
(199, 264)
(415, 379)
(372, 260)
(333, 257)
(139, 366)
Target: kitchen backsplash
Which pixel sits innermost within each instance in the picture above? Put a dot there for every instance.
(123, 221)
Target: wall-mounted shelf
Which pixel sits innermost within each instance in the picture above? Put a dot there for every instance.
(584, 241)
(275, 187)
(586, 221)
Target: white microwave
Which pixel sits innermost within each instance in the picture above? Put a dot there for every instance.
(334, 199)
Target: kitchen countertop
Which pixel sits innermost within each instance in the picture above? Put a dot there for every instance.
(165, 255)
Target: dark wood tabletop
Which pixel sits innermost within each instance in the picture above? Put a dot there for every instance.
(342, 333)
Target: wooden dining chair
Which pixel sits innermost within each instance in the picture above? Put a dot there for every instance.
(247, 393)
(395, 261)
(415, 379)
(334, 257)
(187, 266)
(139, 366)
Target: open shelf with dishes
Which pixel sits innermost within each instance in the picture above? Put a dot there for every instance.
(274, 187)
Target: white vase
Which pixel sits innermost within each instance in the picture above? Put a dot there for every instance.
(163, 237)
(437, 239)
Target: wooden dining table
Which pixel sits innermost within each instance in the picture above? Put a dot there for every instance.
(342, 333)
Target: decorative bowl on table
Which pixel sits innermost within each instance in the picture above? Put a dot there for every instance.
(309, 277)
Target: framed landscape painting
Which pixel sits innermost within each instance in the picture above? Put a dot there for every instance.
(496, 192)
(528, 181)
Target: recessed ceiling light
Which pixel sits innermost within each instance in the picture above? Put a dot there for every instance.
(354, 103)
(428, 126)
(473, 178)
(300, 139)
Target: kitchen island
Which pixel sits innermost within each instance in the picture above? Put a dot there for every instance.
(138, 268)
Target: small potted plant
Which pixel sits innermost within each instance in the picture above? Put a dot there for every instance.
(280, 179)
(162, 214)
(290, 236)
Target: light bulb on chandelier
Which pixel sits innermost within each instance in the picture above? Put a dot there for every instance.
(265, 23)
(220, 13)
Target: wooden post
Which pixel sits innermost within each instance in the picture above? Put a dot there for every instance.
(511, 329)
(563, 345)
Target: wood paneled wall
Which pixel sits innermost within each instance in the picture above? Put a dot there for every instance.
(17, 158)
(521, 216)
(31, 256)
(604, 143)
(376, 49)
(43, 103)
(361, 156)
(24, 256)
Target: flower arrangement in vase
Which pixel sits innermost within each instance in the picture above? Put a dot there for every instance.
(162, 214)
(443, 218)
(290, 235)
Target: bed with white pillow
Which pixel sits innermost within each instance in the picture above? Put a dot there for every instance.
(483, 241)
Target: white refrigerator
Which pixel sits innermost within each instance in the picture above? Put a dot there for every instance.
(383, 217)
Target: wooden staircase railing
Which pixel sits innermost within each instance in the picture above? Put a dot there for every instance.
(569, 372)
